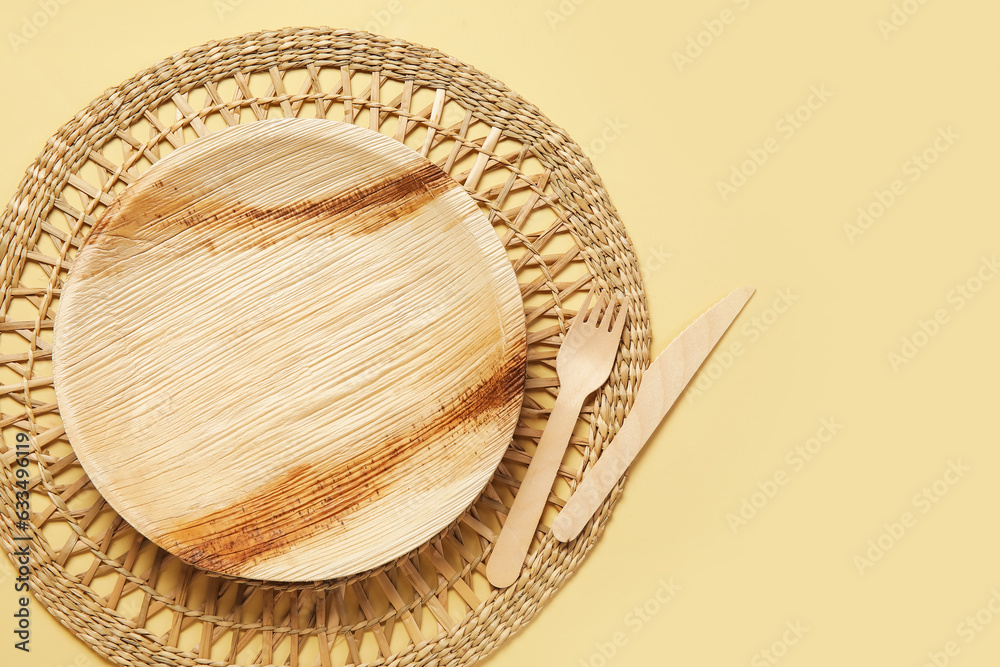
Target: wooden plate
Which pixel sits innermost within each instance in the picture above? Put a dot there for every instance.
(269, 360)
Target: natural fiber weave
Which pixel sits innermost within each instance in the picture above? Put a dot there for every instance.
(138, 605)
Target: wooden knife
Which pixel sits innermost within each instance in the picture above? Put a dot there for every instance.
(661, 384)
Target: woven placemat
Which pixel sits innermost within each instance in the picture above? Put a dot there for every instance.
(135, 603)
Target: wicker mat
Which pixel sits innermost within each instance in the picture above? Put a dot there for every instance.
(138, 605)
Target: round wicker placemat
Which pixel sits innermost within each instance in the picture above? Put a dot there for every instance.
(136, 604)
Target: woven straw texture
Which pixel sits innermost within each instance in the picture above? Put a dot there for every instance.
(138, 605)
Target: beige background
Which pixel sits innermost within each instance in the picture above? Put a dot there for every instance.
(672, 130)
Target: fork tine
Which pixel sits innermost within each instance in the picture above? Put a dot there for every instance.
(595, 315)
(609, 313)
(582, 313)
(622, 316)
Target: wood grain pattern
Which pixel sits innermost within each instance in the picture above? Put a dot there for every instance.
(268, 360)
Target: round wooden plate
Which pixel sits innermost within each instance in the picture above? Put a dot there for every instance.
(269, 361)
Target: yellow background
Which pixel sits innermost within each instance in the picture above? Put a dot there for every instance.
(670, 135)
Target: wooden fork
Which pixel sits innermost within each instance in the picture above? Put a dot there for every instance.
(583, 365)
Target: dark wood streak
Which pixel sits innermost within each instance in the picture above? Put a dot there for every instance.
(143, 217)
(370, 208)
(308, 499)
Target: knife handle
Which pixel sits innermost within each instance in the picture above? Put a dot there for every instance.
(661, 384)
(599, 482)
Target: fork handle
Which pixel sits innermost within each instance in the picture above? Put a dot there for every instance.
(512, 545)
(598, 484)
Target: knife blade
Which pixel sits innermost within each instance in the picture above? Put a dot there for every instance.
(659, 389)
